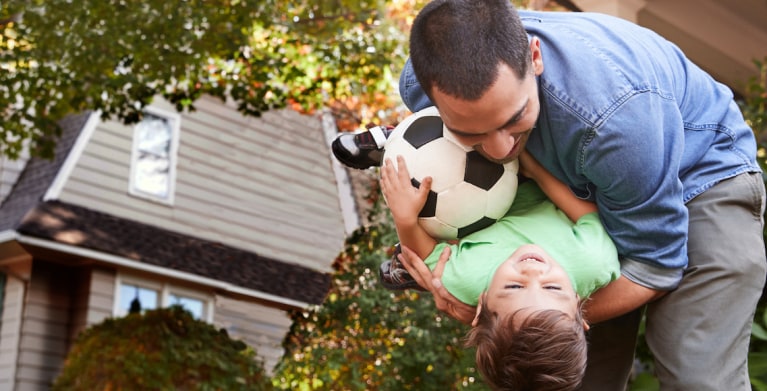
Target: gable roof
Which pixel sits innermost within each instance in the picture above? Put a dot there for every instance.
(38, 174)
(25, 212)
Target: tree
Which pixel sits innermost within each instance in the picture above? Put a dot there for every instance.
(59, 57)
(160, 350)
(365, 337)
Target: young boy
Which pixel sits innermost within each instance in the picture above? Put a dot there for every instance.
(529, 331)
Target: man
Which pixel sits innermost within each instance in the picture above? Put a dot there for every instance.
(626, 120)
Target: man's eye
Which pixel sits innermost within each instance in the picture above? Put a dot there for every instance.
(468, 136)
(513, 286)
(553, 287)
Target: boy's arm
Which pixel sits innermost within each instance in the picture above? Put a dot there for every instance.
(405, 202)
(557, 191)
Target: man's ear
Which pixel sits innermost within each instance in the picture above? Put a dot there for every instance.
(586, 326)
(479, 309)
(535, 51)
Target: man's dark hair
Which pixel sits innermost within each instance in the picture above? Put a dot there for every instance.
(544, 352)
(457, 46)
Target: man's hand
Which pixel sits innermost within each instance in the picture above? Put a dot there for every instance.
(432, 282)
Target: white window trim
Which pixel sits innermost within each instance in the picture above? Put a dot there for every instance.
(164, 290)
(174, 119)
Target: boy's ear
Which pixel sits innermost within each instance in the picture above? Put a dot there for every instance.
(479, 309)
(586, 326)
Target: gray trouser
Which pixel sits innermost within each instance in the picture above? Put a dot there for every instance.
(699, 333)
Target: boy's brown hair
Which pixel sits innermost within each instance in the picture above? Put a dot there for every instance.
(545, 352)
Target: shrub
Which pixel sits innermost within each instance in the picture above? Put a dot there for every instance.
(164, 349)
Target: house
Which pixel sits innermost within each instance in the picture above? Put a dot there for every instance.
(722, 37)
(236, 218)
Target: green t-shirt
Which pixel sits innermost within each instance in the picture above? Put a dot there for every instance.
(583, 249)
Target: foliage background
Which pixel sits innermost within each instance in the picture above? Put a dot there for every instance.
(59, 57)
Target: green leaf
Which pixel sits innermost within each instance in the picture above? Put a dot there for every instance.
(645, 382)
(758, 332)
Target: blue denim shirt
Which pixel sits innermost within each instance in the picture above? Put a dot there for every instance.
(629, 122)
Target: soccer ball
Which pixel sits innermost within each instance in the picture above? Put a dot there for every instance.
(468, 193)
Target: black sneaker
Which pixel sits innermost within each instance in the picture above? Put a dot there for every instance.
(361, 150)
(394, 276)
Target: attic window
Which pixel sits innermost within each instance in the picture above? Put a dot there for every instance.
(153, 166)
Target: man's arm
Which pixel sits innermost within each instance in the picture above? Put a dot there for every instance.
(632, 168)
(619, 297)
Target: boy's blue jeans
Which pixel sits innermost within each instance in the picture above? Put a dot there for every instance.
(699, 333)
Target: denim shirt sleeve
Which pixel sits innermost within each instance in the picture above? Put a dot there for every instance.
(633, 159)
(411, 92)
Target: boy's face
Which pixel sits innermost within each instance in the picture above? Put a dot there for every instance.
(530, 280)
(499, 123)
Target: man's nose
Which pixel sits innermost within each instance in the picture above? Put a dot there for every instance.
(499, 144)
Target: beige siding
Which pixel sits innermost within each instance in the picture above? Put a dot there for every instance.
(93, 299)
(259, 184)
(261, 327)
(46, 318)
(13, 304)
(101, 296)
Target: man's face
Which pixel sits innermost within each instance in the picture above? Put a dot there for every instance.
(498, 124)
(529, 281)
